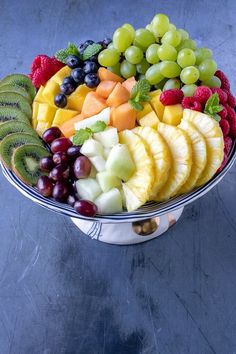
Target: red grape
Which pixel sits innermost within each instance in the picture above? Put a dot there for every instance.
(46, 163)
(85, 208)
(61, 191)
(59, 157)
(74, 151)
(82, 167)
(60, 172)
(51, 134)
(45, 186)
(60, 145)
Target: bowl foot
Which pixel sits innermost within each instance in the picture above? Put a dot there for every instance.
(128, 233)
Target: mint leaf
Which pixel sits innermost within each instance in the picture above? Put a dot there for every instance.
(62, 54)
(145, 98)
(99, 126)
(213, 100)
(91, 50)
(142, 87)
(81, 136)
(212, 107)
(217, 117)
(136, 105)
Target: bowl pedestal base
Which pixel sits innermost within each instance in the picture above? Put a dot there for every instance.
(128, 233)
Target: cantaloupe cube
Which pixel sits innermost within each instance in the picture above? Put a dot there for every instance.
(63, 115)
(123, 117)
(105, 88)
(93, 104)
(173, 114)
(157, 106)
(149, 120)
(39, 95)
(129, 83)
(61, 74)
(41, 127)
(146, 109)
(68, 127)
(107, 75)
(51, 89)
(35, 109)
(76, 100)
(118, 96)
(46, 112)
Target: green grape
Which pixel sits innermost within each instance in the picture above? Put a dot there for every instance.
(160, 24)
(172, 27)
(184, 34)
(127, 69)
(187, 43)
(153, 74)
(167, 52)
(186, 57)
(172, 37)
(143, 38)
(189, 90)
(207, 69)
(214, 81)
(108, 57)
(122, 39)
(170, 69)
(149, 27)
(189, 75)
(202, 54)
(143, 66)
(130, 28)
(111, 46)
(134, 54)
(171, 84)
(152, 54)
(115, 69)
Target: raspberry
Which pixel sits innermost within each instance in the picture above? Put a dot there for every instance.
(223, 113)
(223, 97)
(224, 162)
(57, 65)
(228, 144)
(172, 96)
(202, 94)
(225, 85)
(191, 103)
(40, 77)
(231, 99)
(224, 124)
(37, 62)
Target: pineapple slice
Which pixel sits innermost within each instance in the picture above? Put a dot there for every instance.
(199, 155)
(138, 188)
(212, 133)
(161, 154)
(149, 120)
(181, 151)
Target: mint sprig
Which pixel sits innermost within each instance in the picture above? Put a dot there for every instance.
(140, 94)
(212, 107)
(84, 134)
(91, 50)
(62, 54)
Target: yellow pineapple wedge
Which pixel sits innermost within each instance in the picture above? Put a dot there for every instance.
(199, 155)
(181, 151)
(138, 188)
(161, 155)
(212, 133)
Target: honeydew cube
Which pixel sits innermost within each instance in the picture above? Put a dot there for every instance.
(50, 91)
(35, 109)
(149, 120)
(92, 148)
(61, 74)
(98, 162)
(109, 202)
(120, 162)
(146, 109)
(41, 127)
(88, 188)
(104, 116)
(108, 181)
(173, 114)
(106, 152)
(76, 99)
(62, 115)
(157, 106)
(108, 138)
(39, 95)
(46, 113)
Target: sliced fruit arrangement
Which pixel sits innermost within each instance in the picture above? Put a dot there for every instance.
(108, 126)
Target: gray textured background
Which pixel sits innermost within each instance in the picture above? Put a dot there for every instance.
(62, 293)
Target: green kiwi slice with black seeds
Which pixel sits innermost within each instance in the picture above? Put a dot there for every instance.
(12, 114)
(14, 100)
(15, 127)
(16, 89)
(20, 80)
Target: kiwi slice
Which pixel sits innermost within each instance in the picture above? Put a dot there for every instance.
(9, 114)
(20, 80)
(15, 127)
(14, 100)
(13, 141)
(25, 162)
(16, 89)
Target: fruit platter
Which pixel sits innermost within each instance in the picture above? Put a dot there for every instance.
(119, 134)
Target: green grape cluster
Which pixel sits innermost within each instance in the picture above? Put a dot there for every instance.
(166, 56)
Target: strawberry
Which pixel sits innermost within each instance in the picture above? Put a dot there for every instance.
(202, 94)
(228, 144)
(191, 103)
(172, 96)
(225, 85)
(225, 127)
(223, 97)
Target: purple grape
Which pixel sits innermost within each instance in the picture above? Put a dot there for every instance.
(51, 134)
(61, 191)
(71, 200)
(60, 172)
(46, 163)
(61, 145)
(85, 208)
(45, 186)
(82, 167)
(74, 151)
(60, 157)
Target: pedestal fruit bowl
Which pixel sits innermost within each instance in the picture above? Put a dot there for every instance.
(121, 134)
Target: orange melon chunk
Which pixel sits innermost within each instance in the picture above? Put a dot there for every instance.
(123, 117)
(129, 83)
(107, 75)
(68, 127)
(105, 88)
(93, 104)
(118, 96)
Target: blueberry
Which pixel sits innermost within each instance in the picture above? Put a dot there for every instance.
(90, 67)
(94, 58)
(69, 80)
(78, 75)
(91, 80)
(73, 61)
(84, 45)
(60, 100)
(106, 41)
(67, 89)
